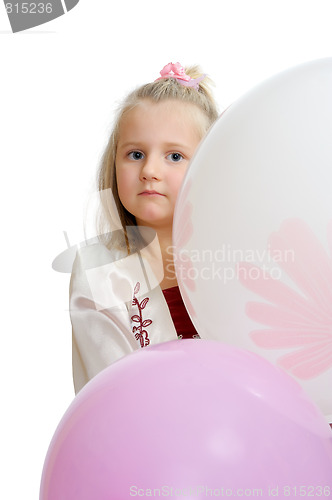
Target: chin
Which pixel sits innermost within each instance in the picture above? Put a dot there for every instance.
(155, 221)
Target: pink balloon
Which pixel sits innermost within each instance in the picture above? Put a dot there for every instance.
(189, 418)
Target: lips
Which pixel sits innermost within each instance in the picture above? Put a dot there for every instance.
(150, 193)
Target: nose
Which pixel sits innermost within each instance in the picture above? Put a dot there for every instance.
(151, 169)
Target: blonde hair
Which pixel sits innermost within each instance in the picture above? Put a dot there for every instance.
(160, 90)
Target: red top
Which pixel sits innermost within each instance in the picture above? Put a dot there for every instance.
(182, 322)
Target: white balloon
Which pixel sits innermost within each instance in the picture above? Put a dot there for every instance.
(253, 227)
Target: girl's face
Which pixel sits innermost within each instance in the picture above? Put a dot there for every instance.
(156, 143)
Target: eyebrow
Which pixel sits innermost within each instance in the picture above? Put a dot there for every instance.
(140, 145)
(129, 144)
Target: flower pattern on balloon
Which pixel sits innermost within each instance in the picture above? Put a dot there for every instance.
(299, 320)
(182, 234)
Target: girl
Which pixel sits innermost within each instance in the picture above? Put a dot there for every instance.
(123, 290)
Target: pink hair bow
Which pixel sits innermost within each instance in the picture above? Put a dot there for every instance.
(177, 71)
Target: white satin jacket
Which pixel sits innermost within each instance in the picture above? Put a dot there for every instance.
(116, 307)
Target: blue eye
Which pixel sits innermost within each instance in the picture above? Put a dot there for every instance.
(175, 157)
(136, 155)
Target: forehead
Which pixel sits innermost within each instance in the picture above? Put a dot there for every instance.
(164, 119)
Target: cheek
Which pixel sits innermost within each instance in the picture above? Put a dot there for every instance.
(124, 183)
(176, 181)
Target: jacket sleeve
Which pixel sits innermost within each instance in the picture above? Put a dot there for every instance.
(99, 313)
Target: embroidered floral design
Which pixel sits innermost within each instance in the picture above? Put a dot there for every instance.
(140, 333)
(298, 320)
(182, 235)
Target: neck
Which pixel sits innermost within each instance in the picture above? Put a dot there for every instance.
(164, 250)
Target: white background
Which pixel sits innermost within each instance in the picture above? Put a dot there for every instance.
(59, 86)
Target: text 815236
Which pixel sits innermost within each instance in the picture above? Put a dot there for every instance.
(29, 8)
